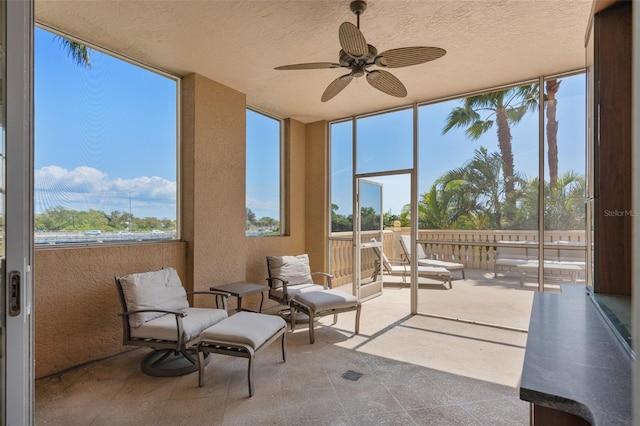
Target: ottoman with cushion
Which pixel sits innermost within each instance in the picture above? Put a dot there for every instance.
(242, 335)
(291, 283)
(321, 303)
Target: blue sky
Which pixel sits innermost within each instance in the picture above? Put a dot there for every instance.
(263, 165)
(107, 135)
(102, 135)
(385, 143)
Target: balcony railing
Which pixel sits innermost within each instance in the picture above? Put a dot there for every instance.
(474, 249)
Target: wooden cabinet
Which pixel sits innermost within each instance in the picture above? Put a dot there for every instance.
(611, 139)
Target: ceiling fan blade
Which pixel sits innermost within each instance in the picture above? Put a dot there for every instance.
(336, 87)
(387, 83)
(352, 41)
(309, 66)
(406, 56)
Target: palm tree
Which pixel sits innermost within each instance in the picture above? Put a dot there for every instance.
(469, 197)
(564, 207)
(79, 52)
(504, 108)
(482, 191)
(439, 208)
(552, 87)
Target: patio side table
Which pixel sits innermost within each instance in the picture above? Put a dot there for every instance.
(241, 289)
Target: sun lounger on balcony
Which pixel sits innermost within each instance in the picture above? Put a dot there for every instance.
(424, 260)
(508, 258)
(404, 269)
(558, 258)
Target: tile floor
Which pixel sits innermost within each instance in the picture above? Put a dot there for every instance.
(416, 370)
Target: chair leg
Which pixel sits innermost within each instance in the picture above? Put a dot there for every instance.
(200, 367)
(284, 353)
(250, 373)
(335, 318)
(463, 277)
(292, 310)
(358, 319)
(311, 322)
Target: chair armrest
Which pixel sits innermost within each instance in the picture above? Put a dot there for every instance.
(216, 293)
(178, 315)
(165, 311)
(284, 285)
(328, 276)
(283, 281)
(212, 292)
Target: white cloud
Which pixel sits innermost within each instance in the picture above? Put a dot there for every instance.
(263, 208)
(86, 188)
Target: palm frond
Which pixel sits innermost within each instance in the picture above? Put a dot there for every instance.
(478, 128)
(79, 52)
(460, 117)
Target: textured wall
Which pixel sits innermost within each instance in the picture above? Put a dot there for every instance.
(316, 195)
(213, 172)
(76, 301)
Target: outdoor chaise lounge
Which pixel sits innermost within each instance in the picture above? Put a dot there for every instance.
(403, 269)
(561, 258)
(290, 281)
(424, 260)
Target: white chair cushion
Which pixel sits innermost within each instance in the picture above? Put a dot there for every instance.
(319, 301)
(405, 241)
(440, 263)
(293, 290)
(510, 262)
(246, 328)
(164, 327)
(160, 289)
(294, 269)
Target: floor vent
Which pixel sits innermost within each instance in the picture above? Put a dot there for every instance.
(351, 375)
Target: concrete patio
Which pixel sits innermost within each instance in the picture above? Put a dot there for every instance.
(415, 370)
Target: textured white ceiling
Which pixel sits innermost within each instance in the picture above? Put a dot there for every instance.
(238, 43)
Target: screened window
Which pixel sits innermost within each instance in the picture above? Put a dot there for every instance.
(385, 141)
(105, 146)
(341, 176)
(264, 183)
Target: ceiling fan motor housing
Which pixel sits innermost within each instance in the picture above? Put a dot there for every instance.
(358, 7)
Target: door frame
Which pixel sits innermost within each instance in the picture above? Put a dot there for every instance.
(375, 286)
(18, 369)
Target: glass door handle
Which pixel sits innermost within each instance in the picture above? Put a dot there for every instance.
(14, 293)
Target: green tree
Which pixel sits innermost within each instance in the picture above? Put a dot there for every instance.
(564, 207)
(388, 220)
(339, 222)
(504, 108)
(437, 208)
(481, 189)
(79, 52)
(250, 219)
(469, 197)
(369, 219)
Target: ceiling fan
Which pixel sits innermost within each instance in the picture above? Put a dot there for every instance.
(358, 56)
